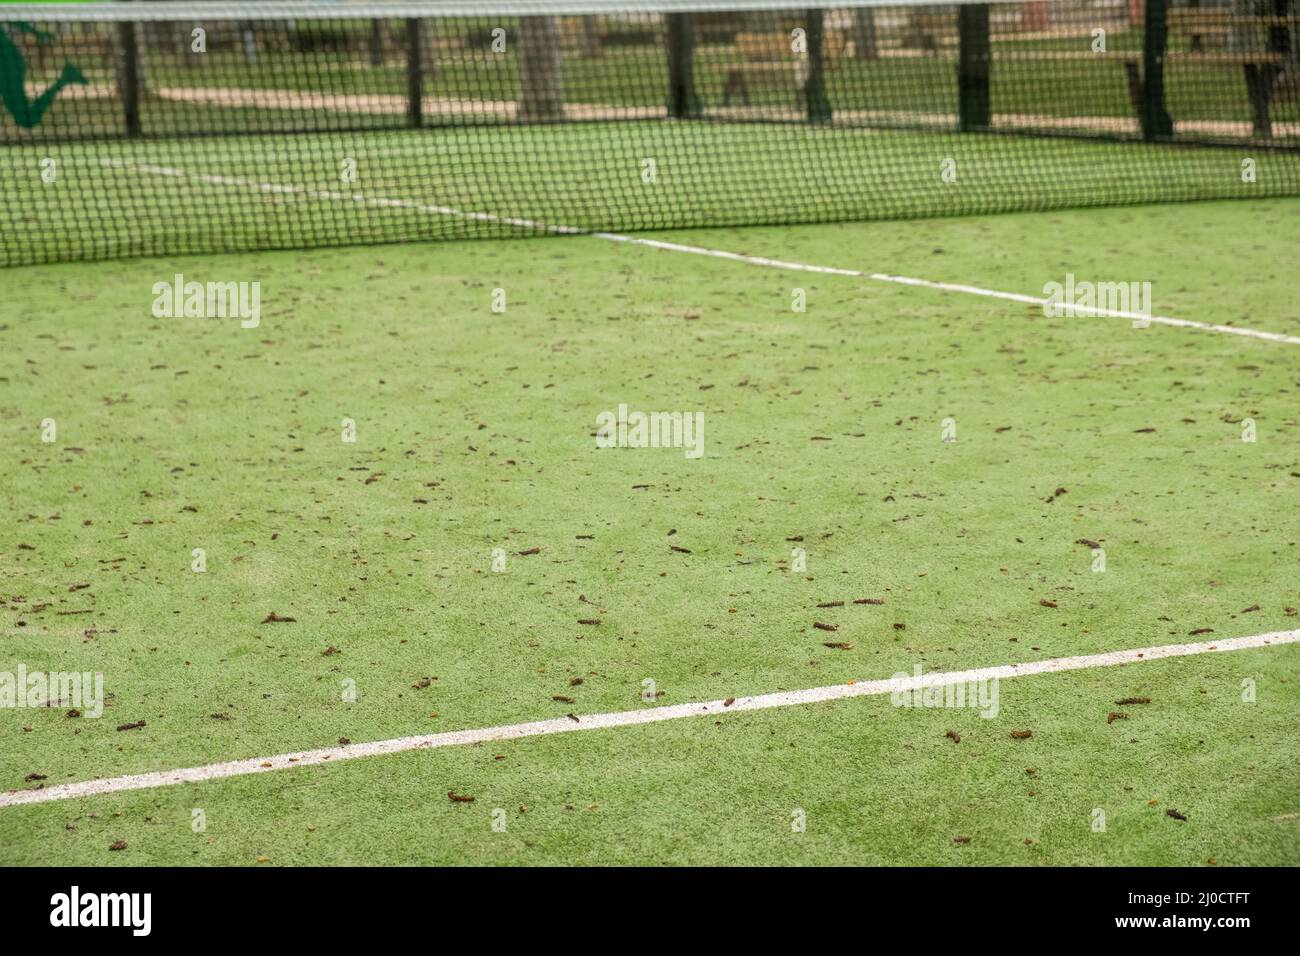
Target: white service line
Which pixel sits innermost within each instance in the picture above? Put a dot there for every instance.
(627, 718)
(733, 256)
(1086, 310)
(380, 202)
(946, 287)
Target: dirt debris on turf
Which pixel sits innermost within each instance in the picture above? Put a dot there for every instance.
(822, 626)
(1046, 603)
(422, 683)
(1201, 630)
(1171, 812)
(838, 645)
(589, 620)
(831, 604)
(1055, 494)
(953, 736)
(728, 702)
(560, 698)
(274, 618)
(673, 547)
(455, 797)
(1248, 610)
(1132, 700)
(869, 601)
(961, 839)
(330, 651)
(1021, 734)
(526, 553)
(1115, 715)
(119, 845)
(32, 777)
(136, 726)
(1088, 543)
(343, 741)
(1032, 565)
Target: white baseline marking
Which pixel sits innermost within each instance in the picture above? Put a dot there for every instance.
(648, 715)
(381, 202)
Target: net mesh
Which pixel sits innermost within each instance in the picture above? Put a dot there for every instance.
(160, 128)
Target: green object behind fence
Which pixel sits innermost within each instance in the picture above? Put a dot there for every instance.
(13, 79)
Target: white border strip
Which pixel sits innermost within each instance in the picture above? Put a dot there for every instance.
(381, 202)
(650, 715)
(190, 12)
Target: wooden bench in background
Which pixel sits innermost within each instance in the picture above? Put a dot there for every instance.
(930, 32)
(1260, 67)
(1200, 25)
(769, 62)
(83, 50)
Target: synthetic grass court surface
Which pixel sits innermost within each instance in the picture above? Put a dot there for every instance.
(124, 198)
(474, 432)
(877, 786)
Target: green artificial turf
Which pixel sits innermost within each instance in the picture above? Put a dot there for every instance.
(871, 784)
(474, 432)
(123, 198)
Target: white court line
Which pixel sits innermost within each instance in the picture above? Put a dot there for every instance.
(382, 202)
(947, 287)
(648, 715)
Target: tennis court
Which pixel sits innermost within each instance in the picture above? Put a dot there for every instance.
(377, 568)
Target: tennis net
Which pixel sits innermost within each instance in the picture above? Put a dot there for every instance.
(162, 128)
